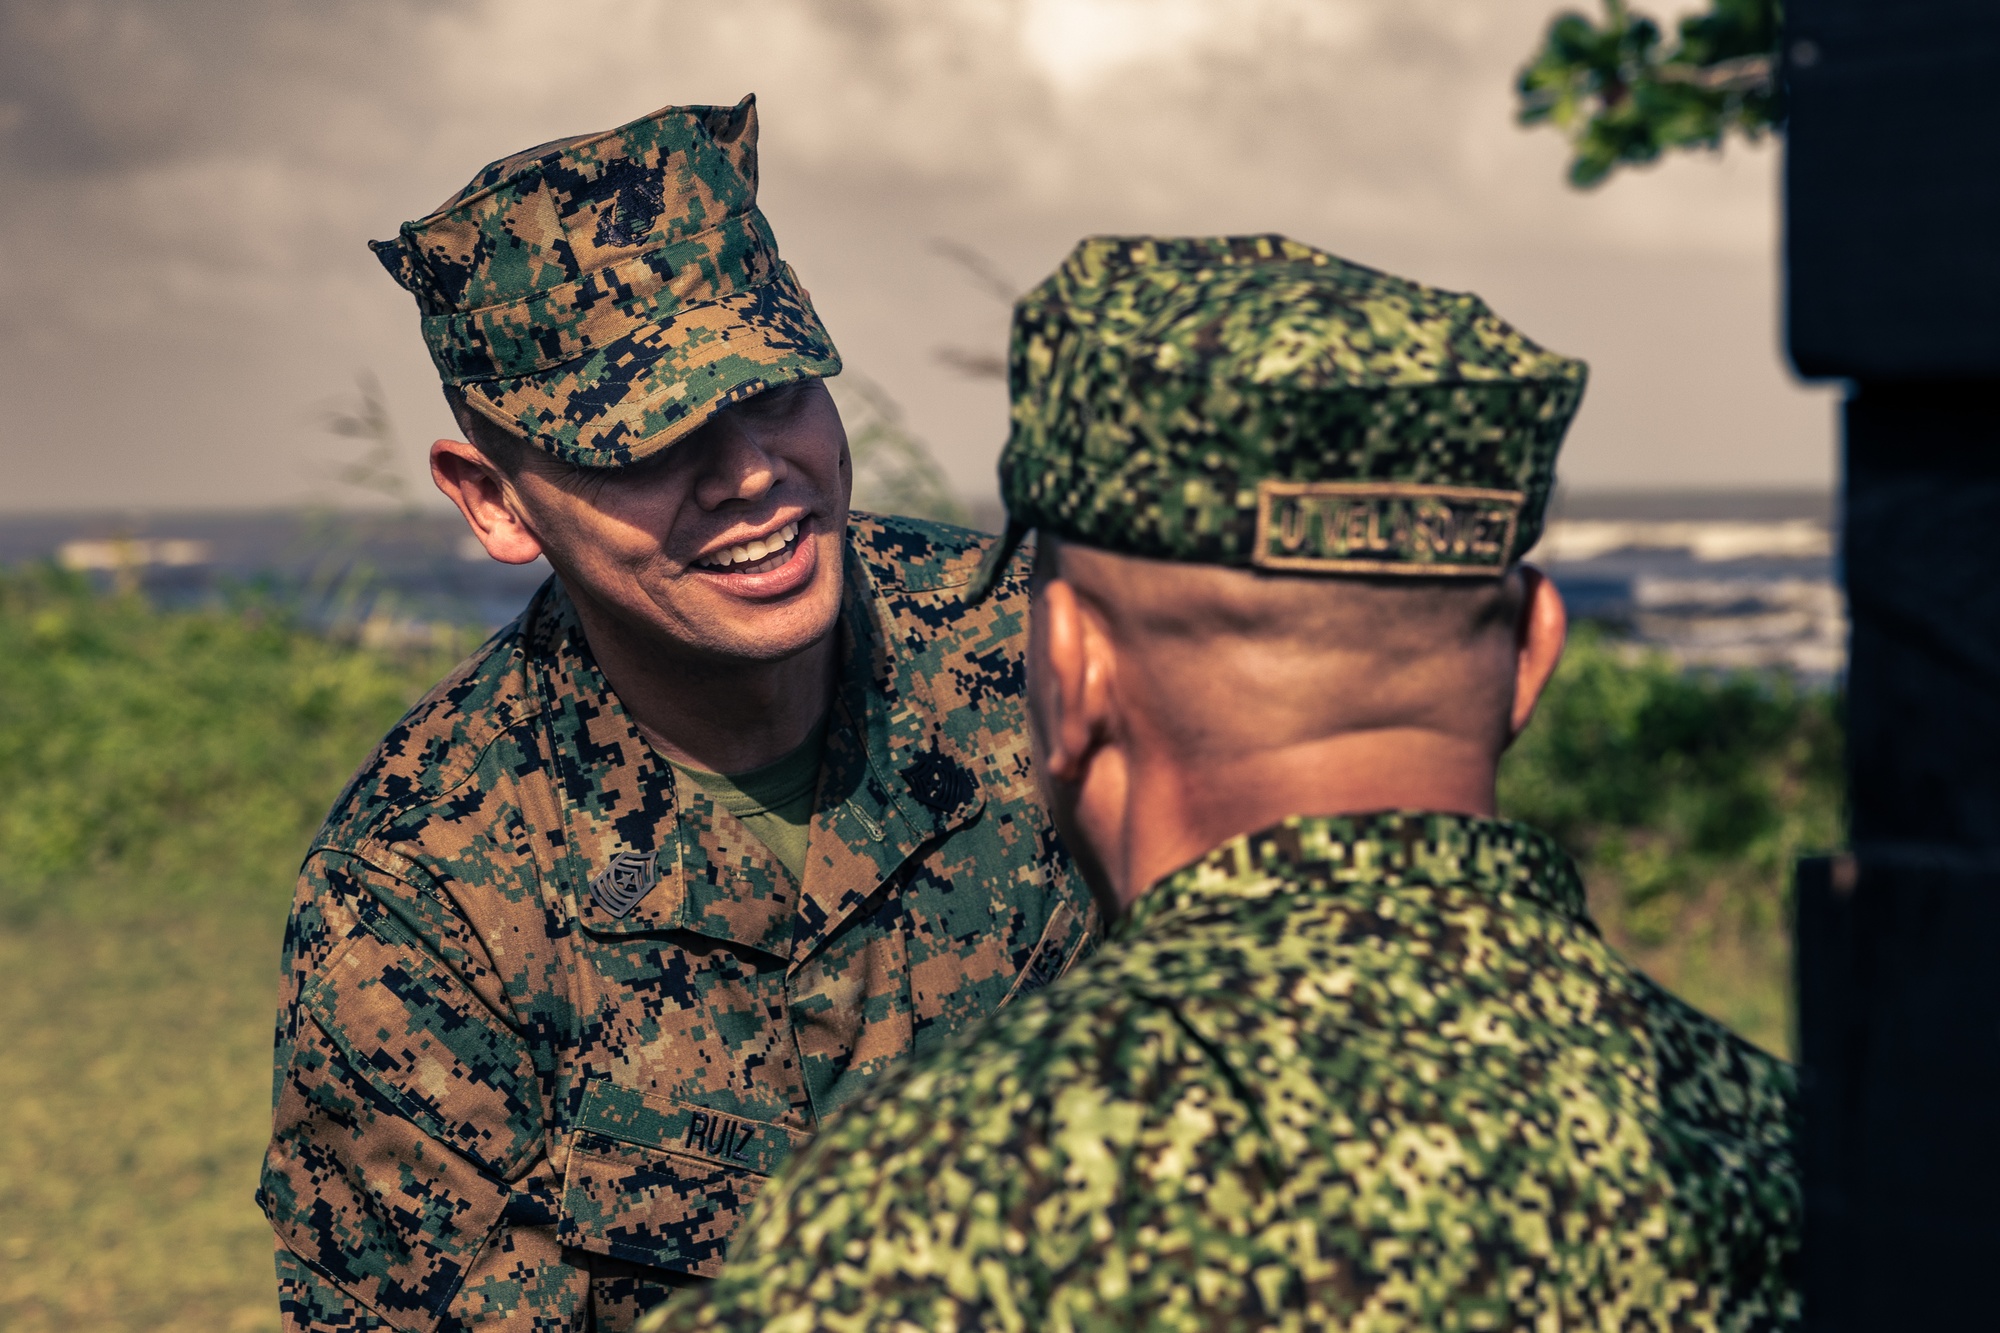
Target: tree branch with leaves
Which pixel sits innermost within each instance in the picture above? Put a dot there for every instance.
(1624, 95)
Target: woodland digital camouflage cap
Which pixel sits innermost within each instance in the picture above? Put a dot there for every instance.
(1251, 401)
(606, 294)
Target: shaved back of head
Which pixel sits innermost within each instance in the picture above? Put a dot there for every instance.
(1225, 662)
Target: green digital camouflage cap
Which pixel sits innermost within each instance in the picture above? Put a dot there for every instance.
(1254, 402)
(604, 295)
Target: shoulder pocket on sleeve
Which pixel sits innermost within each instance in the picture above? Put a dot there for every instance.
(404, 1109)
(432, 1049)
(663, 1181)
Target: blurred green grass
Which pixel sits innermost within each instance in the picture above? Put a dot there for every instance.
(162, 772)
(160, 776)
(154, 761)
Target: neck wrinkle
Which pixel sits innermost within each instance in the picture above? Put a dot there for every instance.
(1178, 808)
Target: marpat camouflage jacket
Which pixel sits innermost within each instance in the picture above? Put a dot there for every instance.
(549, 1022)
(1376, 1074)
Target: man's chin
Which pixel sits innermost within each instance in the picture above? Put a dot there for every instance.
(753, 634)
(748, 623)
(731, 646)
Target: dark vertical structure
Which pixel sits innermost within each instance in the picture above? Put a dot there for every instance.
(1893, 247)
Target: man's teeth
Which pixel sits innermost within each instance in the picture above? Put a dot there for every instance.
(757, 550)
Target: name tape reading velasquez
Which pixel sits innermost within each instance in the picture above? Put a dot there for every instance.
(1384, 528)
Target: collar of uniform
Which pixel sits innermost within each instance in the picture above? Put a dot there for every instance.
(892, 779)
(710, 874)
(1308, 853)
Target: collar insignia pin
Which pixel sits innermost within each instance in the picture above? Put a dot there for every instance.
(629, 877)
(939, 782)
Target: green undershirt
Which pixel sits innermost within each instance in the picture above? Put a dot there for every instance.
(776, 801)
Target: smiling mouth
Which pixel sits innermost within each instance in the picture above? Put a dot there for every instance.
(755, 557)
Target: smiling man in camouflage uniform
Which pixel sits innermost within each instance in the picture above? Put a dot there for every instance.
(1353, 1056)
(560, 995)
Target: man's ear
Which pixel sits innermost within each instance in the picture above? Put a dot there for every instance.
(1539, 635)
(1070, 695)
(491, 506)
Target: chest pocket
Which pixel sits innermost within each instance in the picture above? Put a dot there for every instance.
(662, 1181)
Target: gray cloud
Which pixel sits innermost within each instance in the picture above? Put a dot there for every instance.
(189, 185)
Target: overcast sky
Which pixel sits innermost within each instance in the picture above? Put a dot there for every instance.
(189, 185)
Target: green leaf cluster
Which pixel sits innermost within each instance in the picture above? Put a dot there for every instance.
(148, 756)
(1623, 96)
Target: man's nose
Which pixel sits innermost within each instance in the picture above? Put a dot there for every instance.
(737, 466)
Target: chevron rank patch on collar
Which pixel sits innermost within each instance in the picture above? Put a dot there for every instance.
(620, 885)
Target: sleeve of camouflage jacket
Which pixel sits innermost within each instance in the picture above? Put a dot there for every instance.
(407, 1176)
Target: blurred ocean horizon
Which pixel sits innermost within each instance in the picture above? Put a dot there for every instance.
(1718, 579)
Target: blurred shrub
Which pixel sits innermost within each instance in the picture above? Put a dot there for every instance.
(1686, 798)
(1664, 779)
(148, 756)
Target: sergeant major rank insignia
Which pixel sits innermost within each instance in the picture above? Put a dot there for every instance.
(629, 877)
(939, 782)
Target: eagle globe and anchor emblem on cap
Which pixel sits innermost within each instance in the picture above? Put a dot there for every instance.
(627, 878)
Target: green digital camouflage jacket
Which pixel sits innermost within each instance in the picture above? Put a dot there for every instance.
(550, 1021)
(1374, 1074)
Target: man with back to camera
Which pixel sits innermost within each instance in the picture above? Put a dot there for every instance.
(1352, 1055)
(559, 994)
